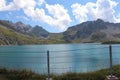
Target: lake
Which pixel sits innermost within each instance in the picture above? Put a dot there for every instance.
(63, 57)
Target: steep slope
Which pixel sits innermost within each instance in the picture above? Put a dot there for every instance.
(93, 31)
(39, 32)
(21, 34)
(11, 37)
(25, 29)
(22, 27)
(90, 31)
(8, 24)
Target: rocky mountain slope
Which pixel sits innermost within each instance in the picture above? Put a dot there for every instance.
(20, 34)
(25, 29)
(93, 31)
(11, 37)
(90, 31)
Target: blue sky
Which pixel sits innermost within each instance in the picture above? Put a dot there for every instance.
(57, 15)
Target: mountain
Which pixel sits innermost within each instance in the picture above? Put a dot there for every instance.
(22, 27)
(11, 37)
(25, 29)
(8, 24)
(39, 32)
(91, 31)
(19, 34)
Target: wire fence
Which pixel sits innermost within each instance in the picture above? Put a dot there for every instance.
(61, 61)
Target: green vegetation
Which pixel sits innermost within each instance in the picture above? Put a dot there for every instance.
(19, 75)
(111, 42)
(56, 38)
(87, 32)
(11, 37)
(98, 36)
(29, 75)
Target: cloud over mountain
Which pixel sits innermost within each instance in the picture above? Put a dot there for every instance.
(57, 15)
(103, 9)
(60, 16)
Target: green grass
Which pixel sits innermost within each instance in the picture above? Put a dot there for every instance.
(11, 37)
(29, 75)
(111, 42)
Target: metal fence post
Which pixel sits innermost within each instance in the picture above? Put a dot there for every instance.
(110, 49)
(48, 65)
(111, 76)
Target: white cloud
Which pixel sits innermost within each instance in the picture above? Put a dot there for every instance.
(40, 2)
(118, 16)
(16, 4)
(80, 12)
(2, 4)
(60, 15)
(91, 7)
(4, 7)
(24, 4)
(39, 14)
(57, 15)
(103, 9)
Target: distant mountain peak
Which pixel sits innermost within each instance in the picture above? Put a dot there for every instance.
(99, 21)
(37, 26)
(19, 22)
(22, 27)
(98, 30)
(95, 31)
(39, 31)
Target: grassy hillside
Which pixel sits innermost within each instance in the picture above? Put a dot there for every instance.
(11, 37)
(29, 75)
(111, 42)
(89, 31)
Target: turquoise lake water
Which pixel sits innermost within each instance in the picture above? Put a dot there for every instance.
(63, 57)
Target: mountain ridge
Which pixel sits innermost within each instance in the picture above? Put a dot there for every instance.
(94, 30)
(89, 31)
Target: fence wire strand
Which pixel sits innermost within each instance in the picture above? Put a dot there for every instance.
(53, 59)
